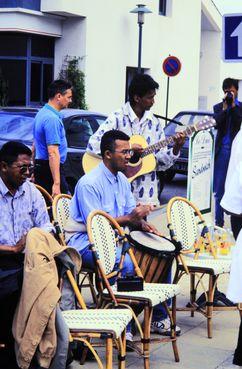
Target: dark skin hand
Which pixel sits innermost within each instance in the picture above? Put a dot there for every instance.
(148, 227)
(136, 219)
(19, 247)
(179, 140)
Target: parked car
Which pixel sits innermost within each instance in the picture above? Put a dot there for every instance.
(186, 118)
(17, 124)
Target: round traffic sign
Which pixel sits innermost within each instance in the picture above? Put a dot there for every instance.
(171, 66)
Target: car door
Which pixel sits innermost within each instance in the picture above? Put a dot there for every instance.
(78, 131)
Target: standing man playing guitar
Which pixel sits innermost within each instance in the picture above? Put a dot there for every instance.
(135, 118)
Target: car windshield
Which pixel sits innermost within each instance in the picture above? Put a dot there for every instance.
(185, 119)
(16, 127)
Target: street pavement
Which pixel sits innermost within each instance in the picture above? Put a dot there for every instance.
(195, 349)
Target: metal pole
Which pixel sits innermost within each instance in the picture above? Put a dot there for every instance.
(167, 97)
(140, 47)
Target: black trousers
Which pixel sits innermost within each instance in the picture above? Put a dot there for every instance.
(43, 176)
(236, 225)
(8, 303)
(238, 351)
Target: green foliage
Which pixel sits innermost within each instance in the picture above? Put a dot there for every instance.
(3, 90)
(71, 72)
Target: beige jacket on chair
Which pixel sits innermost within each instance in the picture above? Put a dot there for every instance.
(34, 320)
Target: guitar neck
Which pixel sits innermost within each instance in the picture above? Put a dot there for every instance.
(167, 141)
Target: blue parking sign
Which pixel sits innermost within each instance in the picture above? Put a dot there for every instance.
(232, 37)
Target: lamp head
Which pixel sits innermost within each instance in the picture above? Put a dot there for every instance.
(141, 9)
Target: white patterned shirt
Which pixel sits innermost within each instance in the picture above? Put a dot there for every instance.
(145, 187)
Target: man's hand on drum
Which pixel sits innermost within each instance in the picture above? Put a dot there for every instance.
(139, 213)
(148, 227)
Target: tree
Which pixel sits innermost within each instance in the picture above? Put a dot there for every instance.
(70, 71)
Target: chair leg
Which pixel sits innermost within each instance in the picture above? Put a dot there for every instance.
(192, 291)
(122, 350)
(84, 353)
(109, 353)
(146, 340)
(92, 288)
(90, 284)
(174, 343)
(209, 308)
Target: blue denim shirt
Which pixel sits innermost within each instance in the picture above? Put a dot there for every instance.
(102, 190)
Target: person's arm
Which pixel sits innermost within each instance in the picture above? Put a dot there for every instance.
(54, 162)
(236, 114)
(52, 128)
(19, 247)
(220, 112)
(165, 157)
(93, 145)
(134, 219)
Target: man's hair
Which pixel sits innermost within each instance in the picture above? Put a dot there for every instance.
(140, 85)
(229, 82)
(11, 150)
(59, 86)
(109, 138)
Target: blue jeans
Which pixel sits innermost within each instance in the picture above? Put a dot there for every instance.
(220, 172)
(128, 267)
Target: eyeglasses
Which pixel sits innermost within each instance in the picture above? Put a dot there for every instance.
(24, 168)
(125, 152)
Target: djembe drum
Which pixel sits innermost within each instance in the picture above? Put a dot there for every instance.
(154, 255)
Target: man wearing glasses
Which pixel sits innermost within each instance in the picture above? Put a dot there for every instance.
(21, 207)
(106, 188)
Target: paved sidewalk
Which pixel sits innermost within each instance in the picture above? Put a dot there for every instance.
(195, 349)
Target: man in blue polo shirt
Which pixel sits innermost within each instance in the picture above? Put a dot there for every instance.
(50, 145)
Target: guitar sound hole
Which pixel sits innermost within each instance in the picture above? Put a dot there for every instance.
(135, 158)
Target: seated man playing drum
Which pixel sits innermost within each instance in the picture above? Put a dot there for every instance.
(106, 188)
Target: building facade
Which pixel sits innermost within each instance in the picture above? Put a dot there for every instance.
(37, 35)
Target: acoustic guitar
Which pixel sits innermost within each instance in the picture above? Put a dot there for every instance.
(146, 162)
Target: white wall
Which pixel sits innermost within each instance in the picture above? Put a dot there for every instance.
(72, 43)
(31, 22)
(105, 36)
(112, 44)
(209, 83)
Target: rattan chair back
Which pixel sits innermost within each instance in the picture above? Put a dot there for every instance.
(105, 241)
(187, 225)
(61, 211)
(105, 236)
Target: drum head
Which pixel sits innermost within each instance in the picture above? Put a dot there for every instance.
(152, 241)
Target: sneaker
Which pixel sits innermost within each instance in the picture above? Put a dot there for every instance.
(130, 345)
(129, 336)
(163, 327)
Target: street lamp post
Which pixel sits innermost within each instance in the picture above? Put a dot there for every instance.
(140, 10)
